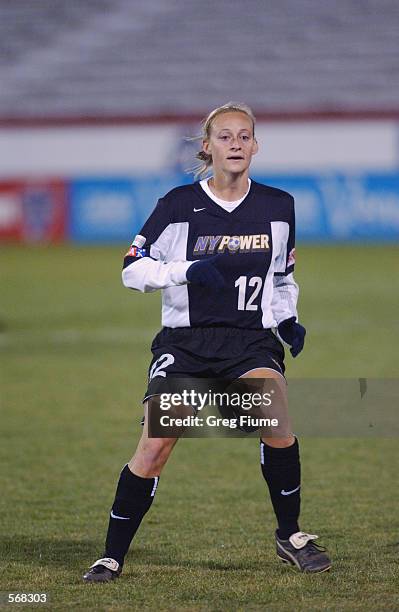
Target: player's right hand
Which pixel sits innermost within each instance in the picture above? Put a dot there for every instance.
(206, 274)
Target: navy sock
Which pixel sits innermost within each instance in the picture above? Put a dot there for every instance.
(282, 471)
(133, 498)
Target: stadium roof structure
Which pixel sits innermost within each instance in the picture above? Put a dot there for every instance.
(99, 59)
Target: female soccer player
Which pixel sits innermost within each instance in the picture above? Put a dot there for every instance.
(222, 251)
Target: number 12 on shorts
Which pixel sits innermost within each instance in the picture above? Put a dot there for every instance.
(242, 282)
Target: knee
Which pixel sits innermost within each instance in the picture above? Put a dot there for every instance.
(151, 456)
(157, 449)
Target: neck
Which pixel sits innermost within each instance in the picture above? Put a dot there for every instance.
(229, 187)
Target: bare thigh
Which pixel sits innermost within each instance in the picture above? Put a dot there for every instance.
(283, 438)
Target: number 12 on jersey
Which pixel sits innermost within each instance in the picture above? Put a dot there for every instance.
(241, 283)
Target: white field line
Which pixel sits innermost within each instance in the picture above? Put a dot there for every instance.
(109, 335)
(128, 335)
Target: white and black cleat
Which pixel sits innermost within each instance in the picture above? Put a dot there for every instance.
(301, 551)
(103, 570)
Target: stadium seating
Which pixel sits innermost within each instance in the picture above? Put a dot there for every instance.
(98, 57)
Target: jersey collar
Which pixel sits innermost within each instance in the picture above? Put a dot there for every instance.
(212, 207)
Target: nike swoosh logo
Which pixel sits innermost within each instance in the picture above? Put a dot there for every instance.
(198, 209)
(290, 492)
(121, 518)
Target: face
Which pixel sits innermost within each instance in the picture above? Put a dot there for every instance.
(231, 143)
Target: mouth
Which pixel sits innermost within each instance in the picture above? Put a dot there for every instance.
(236, 157)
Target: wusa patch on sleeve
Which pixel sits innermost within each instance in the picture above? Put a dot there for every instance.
(136, 252)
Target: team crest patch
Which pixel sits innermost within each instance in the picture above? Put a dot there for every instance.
(136, 252)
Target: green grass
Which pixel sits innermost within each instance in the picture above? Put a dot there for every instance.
(74, 352)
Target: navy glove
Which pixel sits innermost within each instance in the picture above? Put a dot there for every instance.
(293, 334)
(205, 274)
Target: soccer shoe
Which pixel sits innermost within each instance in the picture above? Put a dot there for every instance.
(103, 570)
(300, 550)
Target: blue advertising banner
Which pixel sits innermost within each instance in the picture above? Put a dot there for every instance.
(102, 210)
(329, 207)
(114, 209)
(343, 207)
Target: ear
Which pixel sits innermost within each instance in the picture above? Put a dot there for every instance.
(206, 147)
(255, 147)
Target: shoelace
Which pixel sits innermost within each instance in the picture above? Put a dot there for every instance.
(312, 548)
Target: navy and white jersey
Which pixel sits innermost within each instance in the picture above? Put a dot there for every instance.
(257, 244)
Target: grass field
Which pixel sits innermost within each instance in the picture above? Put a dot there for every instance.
(74, 350)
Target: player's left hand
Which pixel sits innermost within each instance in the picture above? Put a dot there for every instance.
(292, 333)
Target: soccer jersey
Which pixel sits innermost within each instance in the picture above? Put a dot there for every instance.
(256, 244)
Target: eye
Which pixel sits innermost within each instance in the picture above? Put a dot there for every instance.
(223, 137)
(245, 137)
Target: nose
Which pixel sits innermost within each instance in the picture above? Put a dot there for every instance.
(235, 143)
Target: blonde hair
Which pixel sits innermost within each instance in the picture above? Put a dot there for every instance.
(204, 164)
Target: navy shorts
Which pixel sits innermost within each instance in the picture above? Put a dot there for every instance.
(210, 353)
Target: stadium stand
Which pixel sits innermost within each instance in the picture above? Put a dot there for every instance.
(102, 58)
